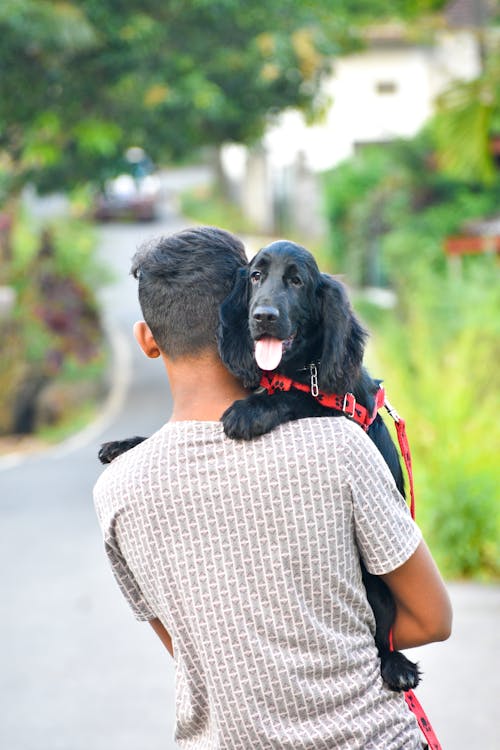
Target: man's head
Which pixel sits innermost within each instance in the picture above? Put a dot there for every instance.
(183, 278)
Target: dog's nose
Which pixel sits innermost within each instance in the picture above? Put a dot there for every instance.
(266, 314)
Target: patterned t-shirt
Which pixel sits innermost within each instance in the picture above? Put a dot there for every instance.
(248, 553)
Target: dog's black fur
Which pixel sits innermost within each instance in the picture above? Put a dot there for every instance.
(283, 294)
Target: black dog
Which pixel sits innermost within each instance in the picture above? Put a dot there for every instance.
(284, 314)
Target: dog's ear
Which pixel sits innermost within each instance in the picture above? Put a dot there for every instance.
(233, 336)
(343, 339)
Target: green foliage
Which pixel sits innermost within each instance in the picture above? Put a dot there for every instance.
(437, 354)
(468, 117)
(53, 334)
(356, 197)
(438, 348)
(74, 243)
(39, 39)
(97, 77)
(389, 209)
(56, 26)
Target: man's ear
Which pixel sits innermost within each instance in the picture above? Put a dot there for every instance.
(145, 339)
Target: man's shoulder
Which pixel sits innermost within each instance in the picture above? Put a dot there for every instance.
(332, 437)
(337, 429)
(173, 441)
(121, 478)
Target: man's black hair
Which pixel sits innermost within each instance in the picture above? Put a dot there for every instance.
(183, 278)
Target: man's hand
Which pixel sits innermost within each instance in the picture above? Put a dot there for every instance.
(162, 635)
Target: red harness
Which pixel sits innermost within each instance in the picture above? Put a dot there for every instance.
(347, 404)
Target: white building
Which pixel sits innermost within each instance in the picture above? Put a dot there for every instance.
(384, 92)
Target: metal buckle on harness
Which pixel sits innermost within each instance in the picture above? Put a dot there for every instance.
(392, 411)
(314, 380)
(349, 405)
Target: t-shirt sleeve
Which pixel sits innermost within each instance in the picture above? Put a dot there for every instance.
(126, 581)
(121, 570)
(386, 534)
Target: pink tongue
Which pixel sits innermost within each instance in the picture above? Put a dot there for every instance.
(268, 353)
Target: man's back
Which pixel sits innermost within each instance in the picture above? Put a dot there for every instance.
(249, 555)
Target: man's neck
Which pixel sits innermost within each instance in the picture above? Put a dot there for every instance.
(202, 388)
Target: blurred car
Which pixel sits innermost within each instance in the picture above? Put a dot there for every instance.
(132, 194)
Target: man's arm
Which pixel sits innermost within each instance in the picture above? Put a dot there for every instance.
(162, 634)
(423, 608)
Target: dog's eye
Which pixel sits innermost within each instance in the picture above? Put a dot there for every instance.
(295, 281)
(255, 276)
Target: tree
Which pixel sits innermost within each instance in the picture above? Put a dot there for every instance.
(467, 125)
(39, 38)
(83, 80)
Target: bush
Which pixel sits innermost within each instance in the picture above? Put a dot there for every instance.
(437, 353)
(390, 212)
(53, 331)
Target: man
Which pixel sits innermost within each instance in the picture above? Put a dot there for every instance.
(244, 556)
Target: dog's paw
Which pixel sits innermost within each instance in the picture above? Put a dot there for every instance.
(109, 451)
(399, 673)
(248, 418)
(239, 422)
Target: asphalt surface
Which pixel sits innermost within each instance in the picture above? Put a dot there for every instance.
(76, 671)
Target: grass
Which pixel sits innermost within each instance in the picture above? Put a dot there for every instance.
(48, 435)
(80, 391)
(437, 359)
(73, 421)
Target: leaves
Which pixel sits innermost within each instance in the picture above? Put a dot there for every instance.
(437, 352)
(47, 26)
(97, 137)
(170, 76)
(468, 116)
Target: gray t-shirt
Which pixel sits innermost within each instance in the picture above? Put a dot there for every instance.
(248, 553)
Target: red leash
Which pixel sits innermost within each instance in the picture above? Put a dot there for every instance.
(416, 708)
(404, 446)
(411, 699)
(422, 720)
(346, 403)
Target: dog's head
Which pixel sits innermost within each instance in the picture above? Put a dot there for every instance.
(283, 313)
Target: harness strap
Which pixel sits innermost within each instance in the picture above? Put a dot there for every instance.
(405, 452)
(404, 447)
(346, 403)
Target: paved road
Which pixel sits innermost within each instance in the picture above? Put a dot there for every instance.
(76, 671)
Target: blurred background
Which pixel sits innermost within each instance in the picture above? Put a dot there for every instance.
(368, 131)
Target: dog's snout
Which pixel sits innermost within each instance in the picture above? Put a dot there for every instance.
(266, 314)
